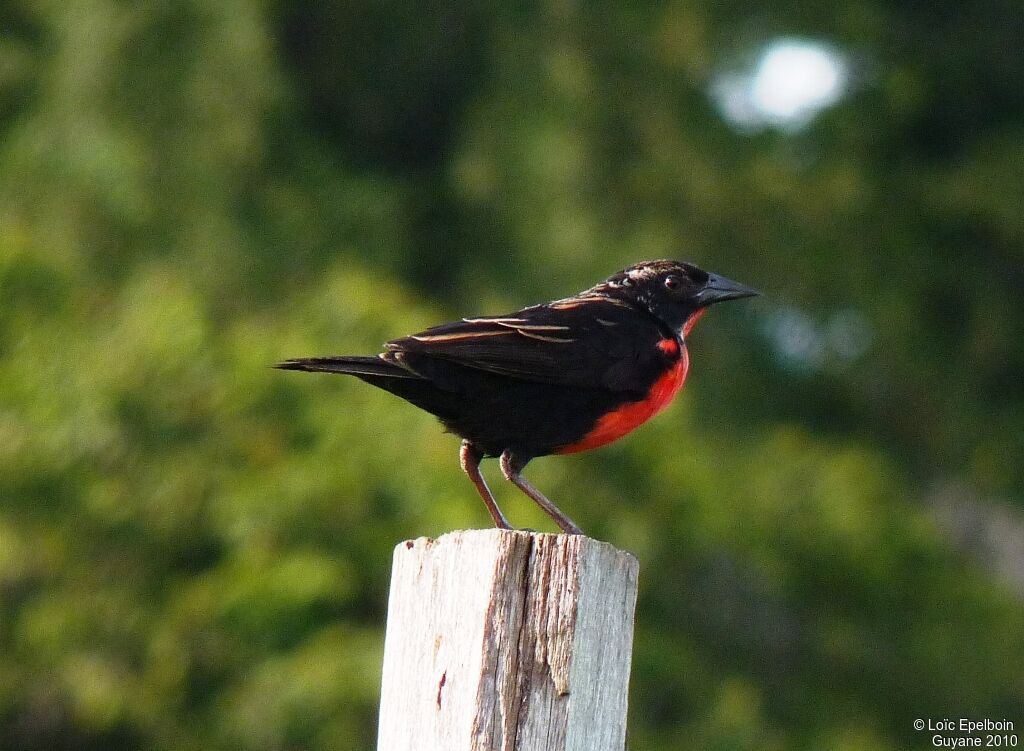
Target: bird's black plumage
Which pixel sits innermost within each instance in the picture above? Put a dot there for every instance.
(553, 378)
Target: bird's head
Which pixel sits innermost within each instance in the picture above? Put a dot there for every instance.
(673, 291)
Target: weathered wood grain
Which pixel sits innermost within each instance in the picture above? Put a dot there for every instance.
(515, 641)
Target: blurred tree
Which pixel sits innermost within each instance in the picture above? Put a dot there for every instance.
(194, 549)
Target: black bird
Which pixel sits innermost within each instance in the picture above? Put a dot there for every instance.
(557, 378)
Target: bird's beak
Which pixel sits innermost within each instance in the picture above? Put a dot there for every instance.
(720, 289)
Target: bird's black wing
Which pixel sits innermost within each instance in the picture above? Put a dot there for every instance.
(584, 342)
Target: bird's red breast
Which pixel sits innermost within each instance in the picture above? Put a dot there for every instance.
(617, 423)
(692, 321)
(613, 425)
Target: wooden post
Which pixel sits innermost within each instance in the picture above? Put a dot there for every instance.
(507, 641)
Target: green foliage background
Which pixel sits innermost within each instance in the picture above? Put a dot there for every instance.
(194, 549)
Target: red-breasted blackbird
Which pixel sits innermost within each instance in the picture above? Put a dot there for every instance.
(557, 378)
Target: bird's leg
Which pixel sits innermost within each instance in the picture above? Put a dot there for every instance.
(469, 457)
(511, 468)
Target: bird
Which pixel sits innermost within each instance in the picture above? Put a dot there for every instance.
(556, 378)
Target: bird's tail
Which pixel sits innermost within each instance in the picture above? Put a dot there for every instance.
(352, 365)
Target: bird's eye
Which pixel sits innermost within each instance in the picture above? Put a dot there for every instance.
(672, 282)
